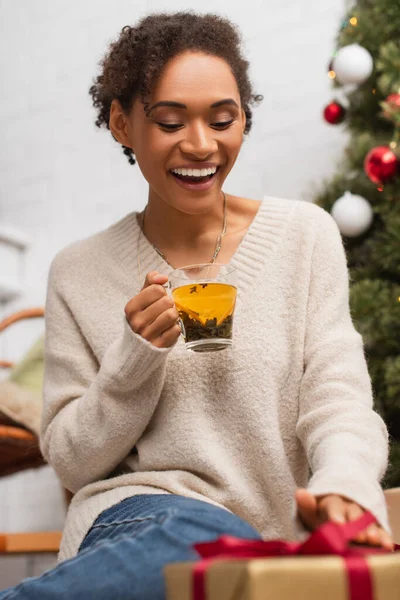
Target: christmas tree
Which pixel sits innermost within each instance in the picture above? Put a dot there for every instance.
(364, 194)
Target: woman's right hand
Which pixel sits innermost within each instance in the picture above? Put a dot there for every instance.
(152, 313)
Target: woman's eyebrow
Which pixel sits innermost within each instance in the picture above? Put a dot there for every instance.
(230, 101)
(226, 101)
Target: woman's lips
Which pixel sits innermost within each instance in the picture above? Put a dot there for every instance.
(195, 185)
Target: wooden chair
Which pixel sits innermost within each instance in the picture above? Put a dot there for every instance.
(19, 450)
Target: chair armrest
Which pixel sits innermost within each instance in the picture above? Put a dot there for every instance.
(19, 450)
(21, 543)
(6, 364)
(27, 313)
(16, 434)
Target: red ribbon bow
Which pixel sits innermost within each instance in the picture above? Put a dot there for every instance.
(331, 538)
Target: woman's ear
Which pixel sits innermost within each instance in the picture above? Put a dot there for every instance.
(243, 120)
(118, 123)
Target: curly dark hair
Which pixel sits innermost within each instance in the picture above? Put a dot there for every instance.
(136, 59)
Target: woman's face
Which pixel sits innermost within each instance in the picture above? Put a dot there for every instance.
(195, 121)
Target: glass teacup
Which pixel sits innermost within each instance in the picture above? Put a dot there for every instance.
(205, 298)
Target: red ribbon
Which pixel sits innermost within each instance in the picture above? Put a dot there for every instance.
(329, 539)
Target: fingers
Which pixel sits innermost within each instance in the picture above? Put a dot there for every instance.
(307, 508)
(374, 534)
(164, 321)
(385, 540)
(335, 508)
(354, 511)
(147, 296)
(332, 508)
(340, 510)
(142, 321)
(153, 277)
(152, 313)
(168, 337)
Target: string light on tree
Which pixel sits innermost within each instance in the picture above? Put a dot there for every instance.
(353, 21)
(352, 64)
(353, 214)
(331, 72)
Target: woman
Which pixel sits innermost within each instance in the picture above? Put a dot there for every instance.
(163, 447)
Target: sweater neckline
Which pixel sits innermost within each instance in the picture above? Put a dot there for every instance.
(256, 247)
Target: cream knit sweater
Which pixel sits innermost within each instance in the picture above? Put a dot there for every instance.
(289, 405)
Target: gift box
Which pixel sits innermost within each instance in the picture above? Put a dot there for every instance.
(324, 567)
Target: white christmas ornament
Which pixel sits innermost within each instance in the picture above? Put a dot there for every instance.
(353, 214)
(353, 64)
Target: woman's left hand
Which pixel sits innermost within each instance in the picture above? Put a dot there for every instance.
(315, 510)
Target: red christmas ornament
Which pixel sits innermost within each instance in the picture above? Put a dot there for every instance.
(334, 113)
(391, 108)
(393, 100)
(381, 164)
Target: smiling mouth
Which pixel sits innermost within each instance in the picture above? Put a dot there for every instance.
(194, 178)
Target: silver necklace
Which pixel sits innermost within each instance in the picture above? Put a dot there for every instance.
(217, 244)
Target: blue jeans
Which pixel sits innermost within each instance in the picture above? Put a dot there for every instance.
(123, 555)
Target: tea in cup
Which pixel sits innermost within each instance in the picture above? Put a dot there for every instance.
(205, 298)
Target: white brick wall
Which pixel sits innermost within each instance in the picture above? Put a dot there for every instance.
(62, 179)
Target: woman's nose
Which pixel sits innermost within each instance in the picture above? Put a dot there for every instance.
(199, 141)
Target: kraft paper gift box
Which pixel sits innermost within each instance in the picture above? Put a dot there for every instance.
(325, 567)
(300, 578)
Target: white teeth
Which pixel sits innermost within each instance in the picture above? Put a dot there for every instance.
(195, 172)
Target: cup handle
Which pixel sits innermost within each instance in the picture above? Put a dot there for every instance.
(168, 288)
(181, 325)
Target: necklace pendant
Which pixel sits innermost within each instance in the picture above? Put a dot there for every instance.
(216, 252)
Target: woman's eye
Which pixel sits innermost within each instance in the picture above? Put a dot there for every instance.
(169, 126)
(222, 124)
(176, 126)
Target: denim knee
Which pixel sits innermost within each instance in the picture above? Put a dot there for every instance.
(123, 524)
(189, 518)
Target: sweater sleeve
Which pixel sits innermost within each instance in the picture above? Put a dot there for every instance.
(345, 440)
(93, 414)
